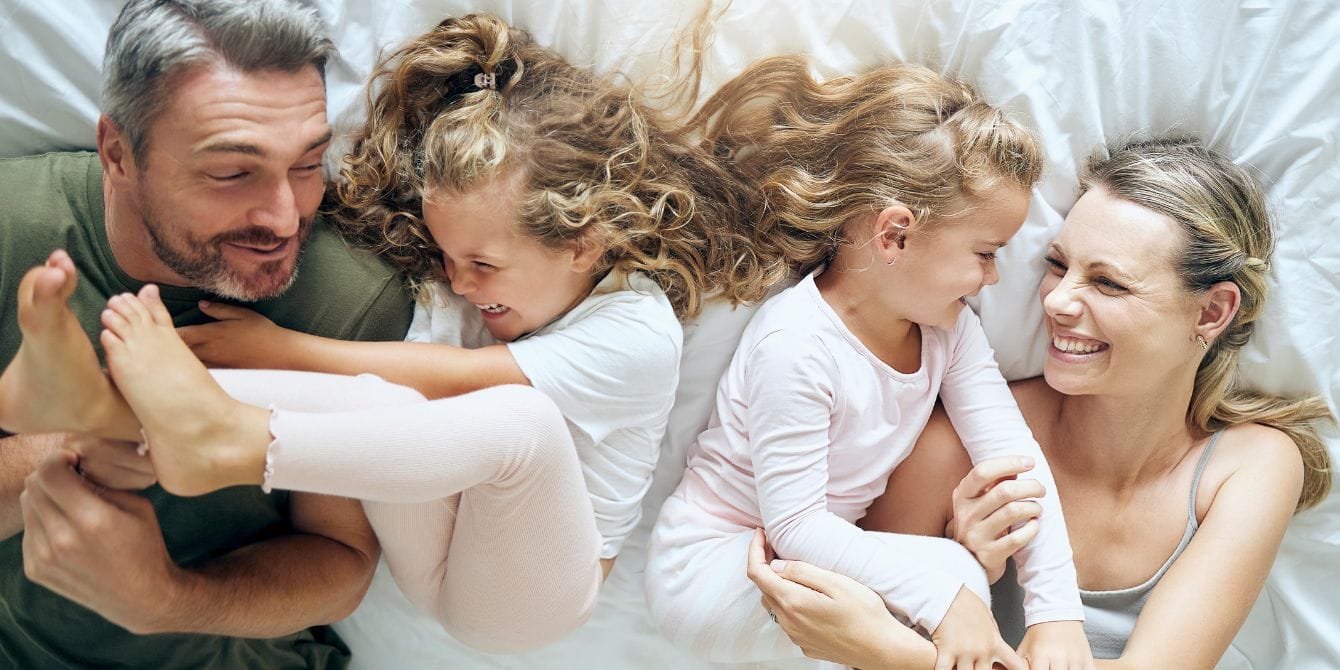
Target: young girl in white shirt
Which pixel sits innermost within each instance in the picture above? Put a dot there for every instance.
(891, 192)
(573, 233)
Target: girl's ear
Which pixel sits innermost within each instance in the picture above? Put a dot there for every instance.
(890, 231)
(585, 254)
(1217, 308)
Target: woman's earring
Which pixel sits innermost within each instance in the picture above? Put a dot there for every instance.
(892, 260)
(1204, 345)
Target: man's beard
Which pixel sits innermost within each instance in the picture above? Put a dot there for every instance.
(201, 261)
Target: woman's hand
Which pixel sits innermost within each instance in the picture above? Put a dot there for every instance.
(1057, 645)
(967, 638)
(995, 513)
(240, 338)
(833, 617)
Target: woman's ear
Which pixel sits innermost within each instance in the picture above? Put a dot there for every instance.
(1217, 308)
(890, 231)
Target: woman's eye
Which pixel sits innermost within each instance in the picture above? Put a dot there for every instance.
(988, 256)
(484, 266)
(1054, 265)
(1108, 286)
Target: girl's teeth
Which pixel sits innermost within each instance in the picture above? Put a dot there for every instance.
(1072, 346)
(492, 309)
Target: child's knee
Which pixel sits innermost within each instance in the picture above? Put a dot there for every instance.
(515, 632)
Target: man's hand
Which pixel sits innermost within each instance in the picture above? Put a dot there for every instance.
(113, 464)
(100, 548)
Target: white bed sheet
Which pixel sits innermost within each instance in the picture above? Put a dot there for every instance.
(1258, 79)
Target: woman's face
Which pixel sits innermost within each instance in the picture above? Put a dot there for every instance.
(517, 283)
(1118, 319)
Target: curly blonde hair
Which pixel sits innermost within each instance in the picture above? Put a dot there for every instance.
(599, 167)
(821, 155)
(1220, 210)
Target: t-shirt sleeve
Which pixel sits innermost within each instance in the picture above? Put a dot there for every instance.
(987, 419)
(613, 374)
(615, 368)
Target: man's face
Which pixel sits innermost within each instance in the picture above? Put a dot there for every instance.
(232, 178)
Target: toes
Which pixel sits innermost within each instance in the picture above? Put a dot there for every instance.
(61, 260)
(137, 308)
(158, 312)
(114, 322)
(47, 283)
(111, 344)
(128, 307)
(39, 292)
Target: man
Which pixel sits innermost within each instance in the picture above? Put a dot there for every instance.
(206, 182)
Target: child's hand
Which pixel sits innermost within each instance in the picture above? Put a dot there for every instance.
(240, 338)
(995, 513)
(1057, 645)
(967, 638)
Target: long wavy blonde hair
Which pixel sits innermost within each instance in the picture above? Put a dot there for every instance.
(599, 166)
(820, 155)
(1226, 233)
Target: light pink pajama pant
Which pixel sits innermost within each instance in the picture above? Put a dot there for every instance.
(701, 599)
(478, 500)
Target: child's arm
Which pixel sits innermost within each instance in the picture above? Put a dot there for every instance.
(790, 392)
(242, 338)
(986, 417)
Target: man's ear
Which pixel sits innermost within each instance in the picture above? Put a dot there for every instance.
(1217, 308)
(118, 161)
(890, 231)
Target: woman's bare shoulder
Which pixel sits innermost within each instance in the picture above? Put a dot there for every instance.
(1036, 401)
(1263, 460)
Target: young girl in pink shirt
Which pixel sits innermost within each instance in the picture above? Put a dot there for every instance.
(891, 192)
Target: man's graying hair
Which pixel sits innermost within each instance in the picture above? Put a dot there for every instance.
(153, 41)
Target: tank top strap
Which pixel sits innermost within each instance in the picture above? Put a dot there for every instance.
(1195, 479)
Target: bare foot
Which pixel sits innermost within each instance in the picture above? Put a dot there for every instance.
(200, 438)
(55, 384)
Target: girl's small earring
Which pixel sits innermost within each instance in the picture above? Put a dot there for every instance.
(1204, 345)
(892, 261)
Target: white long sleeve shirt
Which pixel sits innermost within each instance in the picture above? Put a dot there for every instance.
(809, 424)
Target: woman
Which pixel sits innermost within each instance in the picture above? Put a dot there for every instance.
(1176, 484)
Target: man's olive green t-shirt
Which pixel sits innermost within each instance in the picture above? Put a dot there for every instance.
(55, 201)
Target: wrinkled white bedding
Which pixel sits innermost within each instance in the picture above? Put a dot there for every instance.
(1258, 79)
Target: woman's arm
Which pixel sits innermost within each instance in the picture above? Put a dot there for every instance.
(1201, 602)
(835, 618)
(242, 338)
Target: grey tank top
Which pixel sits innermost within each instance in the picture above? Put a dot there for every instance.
(1109, 616)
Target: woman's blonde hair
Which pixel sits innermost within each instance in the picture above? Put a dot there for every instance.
(1221, 212)
(599, 167)
(821, 155)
